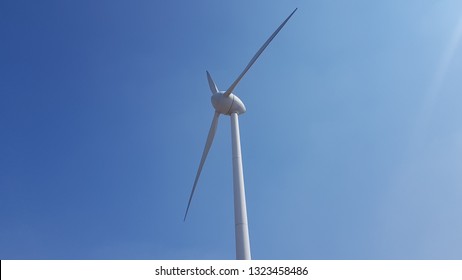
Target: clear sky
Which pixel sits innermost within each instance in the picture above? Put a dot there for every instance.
(352, 140)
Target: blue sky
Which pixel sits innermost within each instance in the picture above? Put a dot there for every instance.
(352, 143)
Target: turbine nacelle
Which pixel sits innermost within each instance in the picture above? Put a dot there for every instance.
(227, 105)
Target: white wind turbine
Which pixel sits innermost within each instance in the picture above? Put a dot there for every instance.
(226, 103)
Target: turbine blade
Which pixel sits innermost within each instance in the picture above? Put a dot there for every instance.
(255, 57)
(208, 144)
(212, 85)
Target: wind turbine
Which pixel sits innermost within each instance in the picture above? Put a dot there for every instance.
(226, 103)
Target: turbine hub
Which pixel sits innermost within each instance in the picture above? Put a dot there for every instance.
(227, 105)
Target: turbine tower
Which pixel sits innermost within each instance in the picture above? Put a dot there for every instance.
(226, 103)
